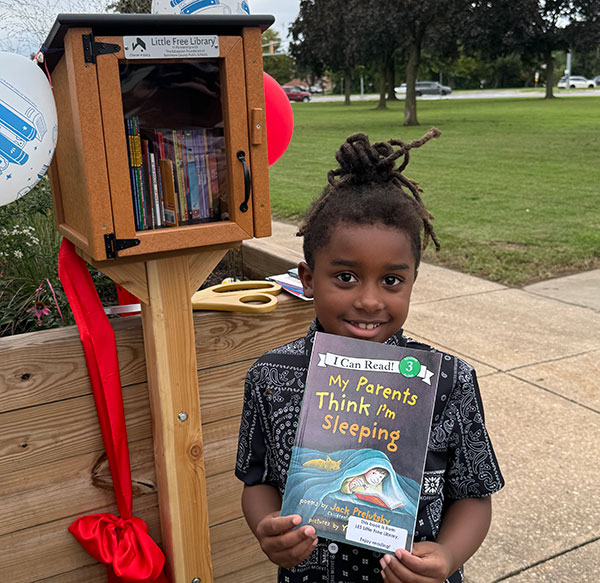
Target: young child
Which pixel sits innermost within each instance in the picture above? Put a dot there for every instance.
(362, 246)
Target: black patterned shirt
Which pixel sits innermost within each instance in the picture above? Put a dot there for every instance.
(460, 461)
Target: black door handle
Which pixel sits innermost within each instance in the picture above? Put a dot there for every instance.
(241, 156)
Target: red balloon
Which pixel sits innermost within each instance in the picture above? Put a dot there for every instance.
(279, 119)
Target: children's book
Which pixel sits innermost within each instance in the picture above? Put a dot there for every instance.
(358, 458)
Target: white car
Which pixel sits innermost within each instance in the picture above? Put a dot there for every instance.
(426, 88)
(575, 82)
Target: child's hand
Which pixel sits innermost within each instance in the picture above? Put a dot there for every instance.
(429, 563)
(283, 545)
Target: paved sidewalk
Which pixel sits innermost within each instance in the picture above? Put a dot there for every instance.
(536, 351)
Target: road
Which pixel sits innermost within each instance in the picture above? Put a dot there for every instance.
(487, 94)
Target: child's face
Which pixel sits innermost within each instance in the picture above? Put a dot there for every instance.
(362, 281)
(375, 476)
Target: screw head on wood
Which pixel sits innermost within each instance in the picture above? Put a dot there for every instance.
(183, 417)
(196, 580)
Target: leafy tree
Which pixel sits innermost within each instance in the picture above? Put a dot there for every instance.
(431, 23)
(279, 66)
(325, 37)
(131, 6)
(534, 28)
(25, 25)
(377, 38)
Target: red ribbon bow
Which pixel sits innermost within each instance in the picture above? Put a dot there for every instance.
(121, 543)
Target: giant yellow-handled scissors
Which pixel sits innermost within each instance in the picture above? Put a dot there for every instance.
(256, 297)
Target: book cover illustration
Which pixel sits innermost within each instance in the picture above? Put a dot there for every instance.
(357, 463)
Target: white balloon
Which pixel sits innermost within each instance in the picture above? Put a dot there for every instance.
(28, 126)
(200, 7)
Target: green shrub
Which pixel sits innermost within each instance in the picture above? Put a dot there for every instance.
(31, 297)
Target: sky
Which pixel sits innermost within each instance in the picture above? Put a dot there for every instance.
(285, 12)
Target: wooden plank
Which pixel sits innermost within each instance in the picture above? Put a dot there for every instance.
(47, 433)
(263, 258)
(90, 574)
(131, 276)
(234, 536)
(222, 390)
(81, 485)
(26, 379)
(178, 443)
(263, 572)
(201, 265)
(49, 365)
(38, 437)
(77, 485)
(234, 337)
(49, 549)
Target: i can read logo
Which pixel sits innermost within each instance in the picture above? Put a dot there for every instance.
(409, 366)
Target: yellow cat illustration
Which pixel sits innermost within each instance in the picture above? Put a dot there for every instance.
(327, 465)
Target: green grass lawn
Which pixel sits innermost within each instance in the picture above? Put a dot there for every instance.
(514, 184)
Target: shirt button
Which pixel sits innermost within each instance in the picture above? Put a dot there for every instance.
(333, 548)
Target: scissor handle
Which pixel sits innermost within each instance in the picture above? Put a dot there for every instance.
(237, 297)
(240, 286)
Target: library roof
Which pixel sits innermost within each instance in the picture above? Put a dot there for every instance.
(147, 24)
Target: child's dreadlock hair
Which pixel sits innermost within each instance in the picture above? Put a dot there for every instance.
(368, 189)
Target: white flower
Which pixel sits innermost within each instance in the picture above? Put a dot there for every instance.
(18, 254)
(4, 231)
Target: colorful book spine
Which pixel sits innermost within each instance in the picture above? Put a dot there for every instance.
(201, 165)
(147, 184)
(180, 177)
(213, 173)
(168, 187)
(132, 172)
(137, 161)
(154, 177)
(193, 176)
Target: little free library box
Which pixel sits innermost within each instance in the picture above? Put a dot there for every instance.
(162, 140)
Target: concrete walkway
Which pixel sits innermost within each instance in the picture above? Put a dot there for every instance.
(537, 352)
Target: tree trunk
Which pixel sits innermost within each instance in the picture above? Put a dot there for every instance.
(347, 87)
(412, 67)
(382, 74)
(549, 76)
(391, 80)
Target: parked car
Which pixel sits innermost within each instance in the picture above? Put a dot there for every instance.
(426, 88)
(295, 94)
(575, 82)
(597, 80)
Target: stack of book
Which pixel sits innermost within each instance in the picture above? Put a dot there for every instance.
(175, 175)
(290, 282)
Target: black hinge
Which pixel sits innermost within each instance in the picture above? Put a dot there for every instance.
(114, 245)
(91, 48)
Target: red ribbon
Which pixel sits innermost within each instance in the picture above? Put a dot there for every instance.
(124, 544)
(121, 543)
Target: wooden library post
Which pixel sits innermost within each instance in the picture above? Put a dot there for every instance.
(160, 168)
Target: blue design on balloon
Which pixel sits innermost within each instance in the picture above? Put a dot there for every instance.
(20, 122)
(199, 5)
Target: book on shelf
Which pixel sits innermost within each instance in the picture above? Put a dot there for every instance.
(175, 174)
(357, 463)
